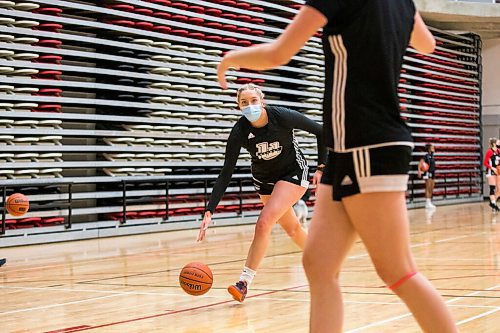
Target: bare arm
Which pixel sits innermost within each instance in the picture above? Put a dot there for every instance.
(421, 38)
(271, 55)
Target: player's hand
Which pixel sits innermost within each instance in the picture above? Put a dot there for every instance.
(226, 63)
(207, 218)
(419, 175)
(494, 170)
(317, 177)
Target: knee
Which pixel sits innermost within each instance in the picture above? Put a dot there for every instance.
(391, 273)
(293, 229)
(315, 267)
(264, 225)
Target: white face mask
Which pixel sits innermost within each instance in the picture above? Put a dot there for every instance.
(252, 112)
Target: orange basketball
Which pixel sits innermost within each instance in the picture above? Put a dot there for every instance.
(17, 204)
(424, 167)
(196, 278)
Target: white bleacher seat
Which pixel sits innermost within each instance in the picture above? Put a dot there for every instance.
(119, 141)
(144, 157)
(26, 123)
(160, 70)
(143, 141)
(215, 156)
(162, 142)
(180, 129)
(138, 128)
(142, 172)
(179, 60)
(50, 173)
(162, 128)
(118, 172)
(181, 115)
(6, 123)
(162, 171)
(178, 72)
(26, 23)
(26, 173)
(52, 123)
(180, 142)
(160, 114)
(25, 56)
(160, 85)
(4, 70)
(178, 47)
(50, 140)
(143, 41)
(199, 157)
(26, 6)
(7, 39)
(196, 117)
(7, 21)
(6, 157)
(25, 90)
(161, 57)
(6, 174)
(24, 72)
(119, 157)
(26, 157)
(163, 156)
(6, 89)
(181, 87)
(162, 44)
(50, 157)
(180, 156)
(198, 103)
(25, 141)
(26, 40)
(6, 139)
(24, 107)
(161, 99)
(196, 89)
(215, 143)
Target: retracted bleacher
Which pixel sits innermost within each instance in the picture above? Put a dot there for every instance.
(118, 103)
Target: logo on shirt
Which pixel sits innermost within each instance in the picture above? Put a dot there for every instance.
(268, 151)
(346, 181)
(251, 136)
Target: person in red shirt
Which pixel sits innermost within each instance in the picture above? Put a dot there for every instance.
(491, 162)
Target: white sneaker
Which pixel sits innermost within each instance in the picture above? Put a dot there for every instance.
(429, 205)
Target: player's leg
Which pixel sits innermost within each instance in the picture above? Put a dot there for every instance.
(291, 224)
(282, 198)
(382, 224)
(492, 182)
(331, 235)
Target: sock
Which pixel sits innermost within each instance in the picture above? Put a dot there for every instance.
(247, 275)
(428, 201)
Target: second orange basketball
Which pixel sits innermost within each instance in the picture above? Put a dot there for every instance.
(17, 204)
(196, 278)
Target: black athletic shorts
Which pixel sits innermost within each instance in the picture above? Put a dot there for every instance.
(298, 177)
(367, 170)
(428, 175)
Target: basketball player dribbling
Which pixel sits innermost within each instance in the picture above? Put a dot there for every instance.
(279, 171)
(361, 193)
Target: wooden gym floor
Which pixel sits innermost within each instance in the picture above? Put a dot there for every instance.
(130, 284)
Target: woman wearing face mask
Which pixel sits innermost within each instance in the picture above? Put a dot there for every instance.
(279, 172)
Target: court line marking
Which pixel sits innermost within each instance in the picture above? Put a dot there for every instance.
(58, 304)
(388, 320)
(478, 316)
(140, 293)
(179, 311)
